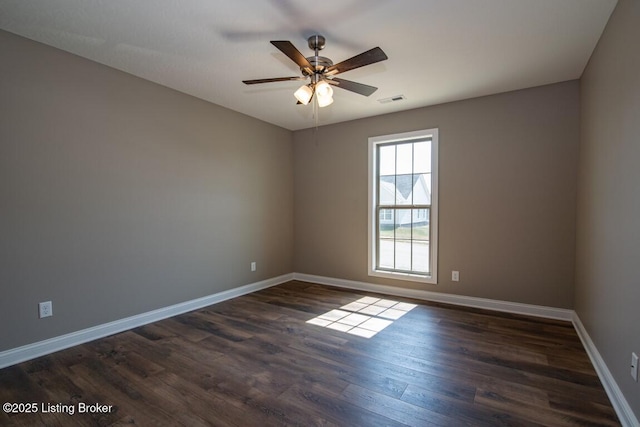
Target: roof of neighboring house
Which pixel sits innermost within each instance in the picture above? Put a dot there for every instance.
(404, 183)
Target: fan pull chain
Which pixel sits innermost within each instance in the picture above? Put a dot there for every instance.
(316, 113)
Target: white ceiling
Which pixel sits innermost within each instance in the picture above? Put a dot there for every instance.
(439, 50)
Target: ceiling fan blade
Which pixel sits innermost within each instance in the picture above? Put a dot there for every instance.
(369, 57)
(294, 54)
(360, 88)
(275, 79)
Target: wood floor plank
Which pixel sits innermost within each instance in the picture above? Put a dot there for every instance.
(535, 413)
(463, 412)
(337, 409)
(254, 360)
(400, 411)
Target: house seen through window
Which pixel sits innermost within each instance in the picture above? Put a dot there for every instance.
(403, 206)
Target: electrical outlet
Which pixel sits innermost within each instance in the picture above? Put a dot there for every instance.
(634, 366)
(45, 309)
(253, 266)
(455, 276)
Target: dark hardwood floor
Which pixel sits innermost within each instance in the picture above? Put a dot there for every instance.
(255, 361)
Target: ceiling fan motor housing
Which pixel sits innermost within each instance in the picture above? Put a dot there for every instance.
(319, 63)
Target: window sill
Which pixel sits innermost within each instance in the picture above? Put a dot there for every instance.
(404, 276)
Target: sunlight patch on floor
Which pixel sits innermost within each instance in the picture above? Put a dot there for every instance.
(364, 317)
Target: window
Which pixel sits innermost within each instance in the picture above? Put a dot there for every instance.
(403, 206)
(386, 215)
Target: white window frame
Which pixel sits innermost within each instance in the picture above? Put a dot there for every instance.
(433, 220)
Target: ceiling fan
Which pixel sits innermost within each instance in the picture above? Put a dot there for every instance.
(321, 71)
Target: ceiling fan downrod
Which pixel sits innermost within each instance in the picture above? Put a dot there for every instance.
(319, 63)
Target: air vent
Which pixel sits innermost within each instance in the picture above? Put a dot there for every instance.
(392, 99)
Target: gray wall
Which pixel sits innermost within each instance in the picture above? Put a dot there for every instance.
(508, 166)
(119, 196)
(607, 297)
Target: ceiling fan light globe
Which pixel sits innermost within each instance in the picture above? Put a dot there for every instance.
(324, 89)
(303, 94)
(324, 100)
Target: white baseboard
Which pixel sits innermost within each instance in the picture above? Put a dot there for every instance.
(489, 304)
(620, 404)
(41, 348)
